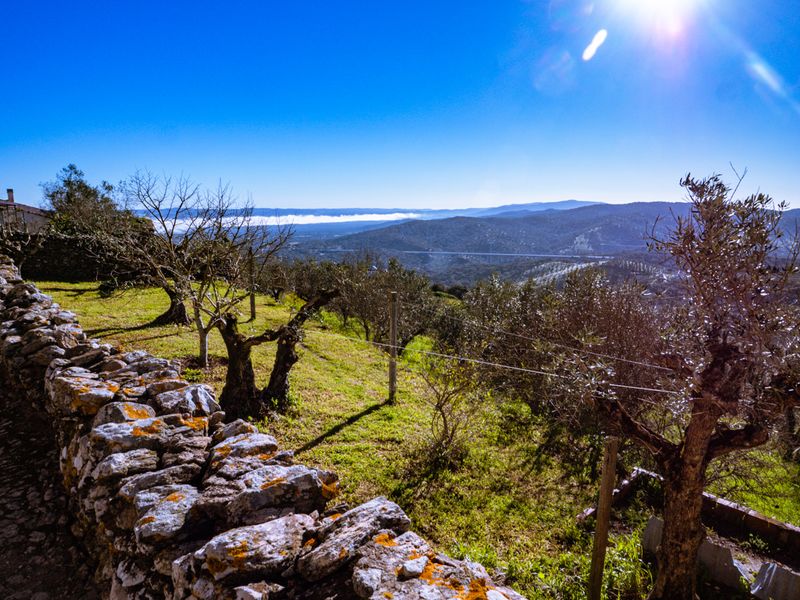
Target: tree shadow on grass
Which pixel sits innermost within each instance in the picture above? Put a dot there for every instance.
(71, 291)
(339, 426)
(105, 332)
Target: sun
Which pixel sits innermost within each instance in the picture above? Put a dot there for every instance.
(669, 17)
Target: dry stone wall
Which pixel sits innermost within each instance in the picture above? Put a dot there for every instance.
(172, 501)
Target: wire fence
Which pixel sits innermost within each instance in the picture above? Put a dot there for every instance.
(472, 360)
(497, 330)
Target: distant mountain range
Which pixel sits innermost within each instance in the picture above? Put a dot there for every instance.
(515, 240)
(598, 229)
(321, 223)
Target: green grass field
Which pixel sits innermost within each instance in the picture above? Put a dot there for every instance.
(496, 509)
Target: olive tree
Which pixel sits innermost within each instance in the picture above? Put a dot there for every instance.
(732, 348)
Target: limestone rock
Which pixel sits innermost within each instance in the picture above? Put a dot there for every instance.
(405, 568)
(134, 484)
(196, 400)
(276, 486)
(234, 428)
(123, 464)
(243, 445)
(152, 433)
(120, 412)
(167, 385)
(164, 512)
(263, 550)
(338, 541)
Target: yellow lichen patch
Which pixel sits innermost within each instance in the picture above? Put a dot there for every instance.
(384, 539)
(477, 590)
(414, 555)
(221, 452)
(330, 490)
(175, 497)
(238, 555)
(195, 423)
(343, 552)
(129, 391)
(150, 429)
(77, 402)
(388, 595)
(146, 520)
(309, 542)
(134, 413)
(430, 575)
(112, 387)
(275, 481)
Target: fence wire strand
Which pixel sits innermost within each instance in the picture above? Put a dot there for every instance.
(431, 311)
(490, 364)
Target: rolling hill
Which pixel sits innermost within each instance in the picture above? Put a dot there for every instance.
(601, 229)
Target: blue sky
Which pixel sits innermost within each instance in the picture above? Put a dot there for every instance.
(405, 104)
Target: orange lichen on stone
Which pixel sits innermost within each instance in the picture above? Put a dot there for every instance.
(343, 552)
(76, 396)
(195, 423)
(175, 497)
(414, 555)
(266, 455)
(221, 452)
(275, 481)
(152, 428)
(146, 520)
(330, 490)
(112, 387)
(384, 539)
(309, 542)
(429, 573)
(431, 576)
(477, 590)
(134, 413)
(388, 595)
(240, 550)
(238, 555)
(335, 516)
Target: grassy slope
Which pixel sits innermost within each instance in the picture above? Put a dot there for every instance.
(495, 509)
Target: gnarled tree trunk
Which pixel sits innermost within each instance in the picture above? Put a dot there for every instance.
(684, 480)
(176, 314)
(239, 398)
(276, 394)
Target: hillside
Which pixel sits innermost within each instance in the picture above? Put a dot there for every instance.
(515, 243)
(598, 229)
(509, 506)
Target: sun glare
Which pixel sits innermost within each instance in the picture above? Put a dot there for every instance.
(668, 17)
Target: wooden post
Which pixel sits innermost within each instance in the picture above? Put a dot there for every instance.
(603, 515)
(252, 266)
(392, 346)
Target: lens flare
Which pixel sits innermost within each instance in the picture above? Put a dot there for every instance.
(597, 41)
